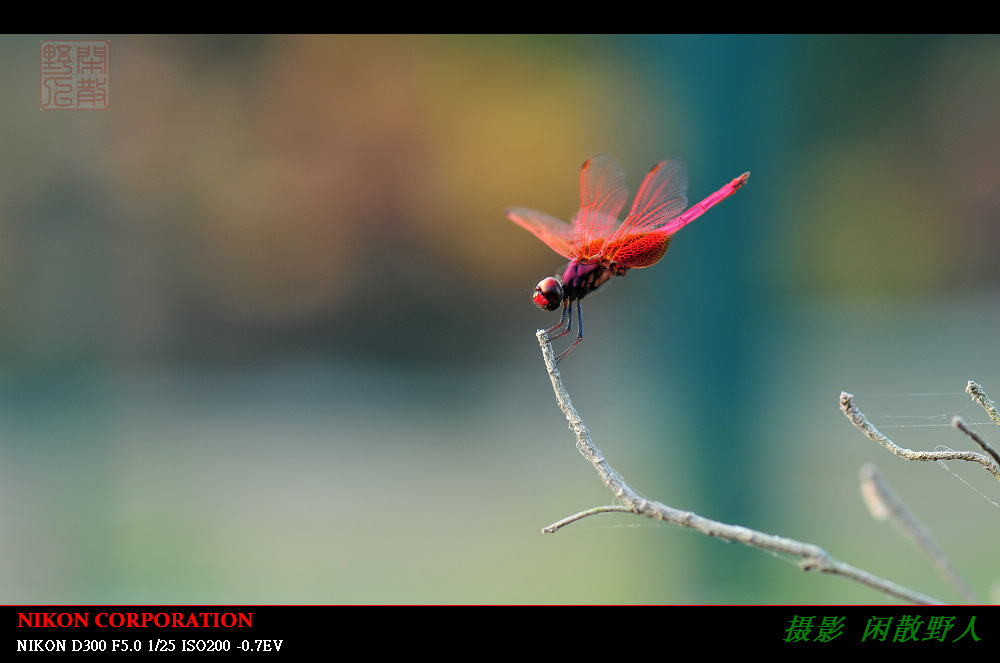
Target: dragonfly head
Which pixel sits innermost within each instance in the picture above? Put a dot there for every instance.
(548, 294)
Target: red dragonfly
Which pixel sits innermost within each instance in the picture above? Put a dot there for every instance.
(597, 245)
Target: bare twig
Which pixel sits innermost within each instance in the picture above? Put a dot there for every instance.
(583, 514)
(812, 557)
(980, 396)
(959, 423)
(884, 504)
(858, 419)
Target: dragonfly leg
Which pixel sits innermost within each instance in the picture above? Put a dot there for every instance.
(579, 332)
(566, 318)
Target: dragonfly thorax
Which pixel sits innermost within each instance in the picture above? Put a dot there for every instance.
(579, 279)
(582, 278)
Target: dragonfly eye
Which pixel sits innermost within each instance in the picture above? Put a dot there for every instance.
(548, 294)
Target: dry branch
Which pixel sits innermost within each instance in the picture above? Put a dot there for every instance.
(861, 422)
(884, 504)
(980, 397)
(812, 557)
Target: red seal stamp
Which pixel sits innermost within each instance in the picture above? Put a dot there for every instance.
(75, 75)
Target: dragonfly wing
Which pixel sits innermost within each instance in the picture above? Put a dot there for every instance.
(662, 197)
(559, 235)
(602, 196)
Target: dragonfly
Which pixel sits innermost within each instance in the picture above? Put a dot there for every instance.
(597, 245)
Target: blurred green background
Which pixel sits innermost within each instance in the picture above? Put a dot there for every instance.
(266, 334)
